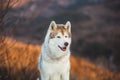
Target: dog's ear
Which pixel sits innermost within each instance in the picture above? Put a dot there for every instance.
(68, 26)
(53, 25)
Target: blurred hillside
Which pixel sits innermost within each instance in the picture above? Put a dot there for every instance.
(95, 26)
(20, 62)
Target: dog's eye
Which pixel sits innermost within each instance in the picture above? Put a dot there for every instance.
(58, 37)
(65, 36)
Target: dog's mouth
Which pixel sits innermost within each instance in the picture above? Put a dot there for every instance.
(62, 48)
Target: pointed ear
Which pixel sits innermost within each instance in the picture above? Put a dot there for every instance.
(68, 26)
(53, 25)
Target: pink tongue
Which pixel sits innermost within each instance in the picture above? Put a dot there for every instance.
(64, 48)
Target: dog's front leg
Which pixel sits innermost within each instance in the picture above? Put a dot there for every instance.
(65, 76)
(55, 77)
(45, 77)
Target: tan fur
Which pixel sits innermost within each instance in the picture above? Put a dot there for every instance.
(59, 29)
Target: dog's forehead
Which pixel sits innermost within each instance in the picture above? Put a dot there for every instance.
(61, 28)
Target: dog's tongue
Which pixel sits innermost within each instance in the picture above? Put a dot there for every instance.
(64, 48)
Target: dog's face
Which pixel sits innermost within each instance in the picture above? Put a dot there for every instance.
(59, 37)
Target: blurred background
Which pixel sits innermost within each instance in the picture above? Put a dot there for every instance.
(95, 37)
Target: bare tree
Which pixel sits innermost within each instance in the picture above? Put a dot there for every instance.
(4, 7)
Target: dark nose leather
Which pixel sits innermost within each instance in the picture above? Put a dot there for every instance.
(66, 43)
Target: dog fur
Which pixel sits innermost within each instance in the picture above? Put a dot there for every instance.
(54, 61)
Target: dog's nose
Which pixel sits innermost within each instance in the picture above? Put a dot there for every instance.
(66, 43)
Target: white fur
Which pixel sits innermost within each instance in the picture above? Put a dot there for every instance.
(54, 63)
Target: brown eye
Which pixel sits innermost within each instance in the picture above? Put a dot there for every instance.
(65, 36)
(58, 37)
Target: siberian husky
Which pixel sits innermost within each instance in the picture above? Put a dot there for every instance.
(54, 61)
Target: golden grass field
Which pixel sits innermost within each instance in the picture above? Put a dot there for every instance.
(18, 61)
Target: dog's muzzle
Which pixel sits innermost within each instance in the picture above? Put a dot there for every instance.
(62, 48)
(65, 46)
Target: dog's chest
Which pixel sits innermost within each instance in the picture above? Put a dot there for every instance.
(56, 67)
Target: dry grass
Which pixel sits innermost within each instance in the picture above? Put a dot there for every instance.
(18, 61)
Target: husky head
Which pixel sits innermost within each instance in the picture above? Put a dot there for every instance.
(58, 38)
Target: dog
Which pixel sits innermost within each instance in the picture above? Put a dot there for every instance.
(54, 60)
